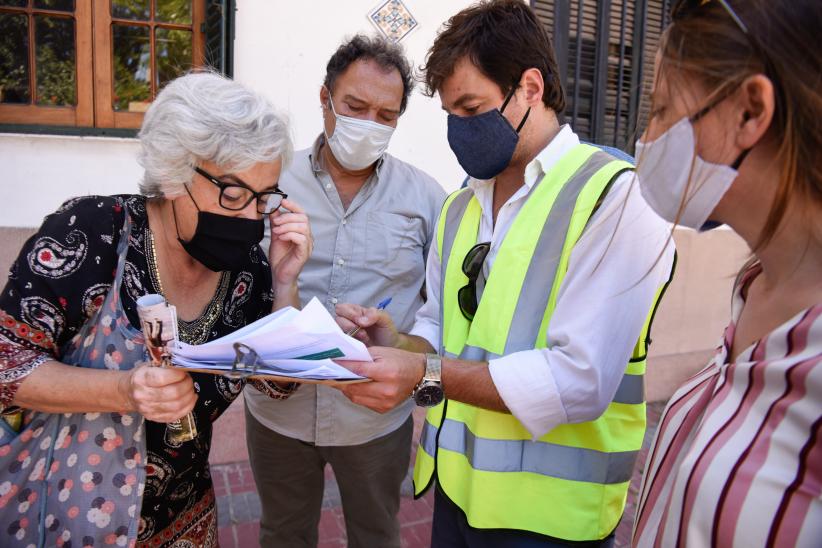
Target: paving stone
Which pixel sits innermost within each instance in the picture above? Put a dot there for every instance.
(407, 486)
(255, 507)
(227, 536)
(247, 508)
(331, 528)
(224, 511)
(331, 495)
(416, 536)
(412, 511)
(248, 534)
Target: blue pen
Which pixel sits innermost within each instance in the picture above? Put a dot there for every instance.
(381, 306)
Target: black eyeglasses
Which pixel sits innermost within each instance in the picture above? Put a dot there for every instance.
(471, 267)
(236, 197)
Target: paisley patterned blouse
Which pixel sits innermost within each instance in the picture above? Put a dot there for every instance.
(62, 276)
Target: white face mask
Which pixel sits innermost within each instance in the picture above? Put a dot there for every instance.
(355, 143)
(665, 167)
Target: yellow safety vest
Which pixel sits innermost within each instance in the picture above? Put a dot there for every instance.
(571, 483)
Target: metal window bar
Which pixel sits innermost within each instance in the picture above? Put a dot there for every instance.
(577, 62)
(666, 14)
(561, 27)
(637, 66)
(219, 35)
(602, 50)
(620, 69)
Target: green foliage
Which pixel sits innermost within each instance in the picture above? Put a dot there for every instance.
(174, 11)
(127, 87)
(130, 9)
(56, 79)
(55, 61)
(173, 50)
(14, 73)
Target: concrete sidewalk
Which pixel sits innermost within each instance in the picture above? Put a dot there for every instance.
(239, 506)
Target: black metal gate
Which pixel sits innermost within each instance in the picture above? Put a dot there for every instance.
(605, 51)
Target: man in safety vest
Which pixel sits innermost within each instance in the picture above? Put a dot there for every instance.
(542, 282)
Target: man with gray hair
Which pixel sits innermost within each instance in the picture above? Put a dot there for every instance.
(373, 217)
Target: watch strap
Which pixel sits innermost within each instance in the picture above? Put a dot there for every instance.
(433, 368)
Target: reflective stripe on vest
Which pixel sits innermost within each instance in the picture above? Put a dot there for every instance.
(489, 466)
(631, 388)
(559, 461)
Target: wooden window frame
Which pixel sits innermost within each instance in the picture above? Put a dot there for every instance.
(94, 65)
(104, 112)
(82, 113)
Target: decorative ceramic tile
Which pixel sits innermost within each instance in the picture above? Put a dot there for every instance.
(393, 19)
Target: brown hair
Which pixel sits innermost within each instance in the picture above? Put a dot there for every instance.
(704, 42)
(503, 39)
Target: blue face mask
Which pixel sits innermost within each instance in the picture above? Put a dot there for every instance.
(484, 144)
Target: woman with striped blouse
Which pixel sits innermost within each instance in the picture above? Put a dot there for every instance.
(734, 138)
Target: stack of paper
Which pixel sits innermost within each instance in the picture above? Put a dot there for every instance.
(291, 343)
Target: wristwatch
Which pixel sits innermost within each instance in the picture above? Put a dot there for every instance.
(429, 392)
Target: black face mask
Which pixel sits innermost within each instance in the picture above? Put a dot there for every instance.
(221, 242)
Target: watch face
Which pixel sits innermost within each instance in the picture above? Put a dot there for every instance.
(429, 395)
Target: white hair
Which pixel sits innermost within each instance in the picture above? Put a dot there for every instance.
(207, 117)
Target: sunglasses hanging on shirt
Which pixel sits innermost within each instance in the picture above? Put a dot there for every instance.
(471, 267)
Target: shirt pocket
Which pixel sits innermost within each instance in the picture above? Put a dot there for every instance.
(394, 245)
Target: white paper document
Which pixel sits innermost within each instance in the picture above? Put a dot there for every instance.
(289, 342)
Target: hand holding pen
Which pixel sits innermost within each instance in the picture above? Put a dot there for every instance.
(381, 306)
(373, 326)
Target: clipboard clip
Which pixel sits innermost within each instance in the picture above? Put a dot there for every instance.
(245, 362)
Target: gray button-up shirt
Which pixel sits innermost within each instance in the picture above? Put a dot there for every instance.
(373, 250)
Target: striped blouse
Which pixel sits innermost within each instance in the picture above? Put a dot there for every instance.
(737, 459)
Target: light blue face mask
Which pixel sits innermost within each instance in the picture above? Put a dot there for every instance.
(676, 182)
(355, 143)
(484, 144)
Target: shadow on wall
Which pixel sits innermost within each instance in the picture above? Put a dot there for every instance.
(697, 306)
(687, 327)
(11, 240)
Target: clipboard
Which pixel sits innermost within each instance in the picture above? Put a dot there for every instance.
(247, 361)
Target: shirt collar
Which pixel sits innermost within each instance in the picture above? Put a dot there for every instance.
(547, 158)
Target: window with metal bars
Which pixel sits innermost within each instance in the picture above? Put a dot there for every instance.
(605, 52)
(98, 64)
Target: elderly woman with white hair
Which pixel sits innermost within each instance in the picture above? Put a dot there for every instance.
(84, 454)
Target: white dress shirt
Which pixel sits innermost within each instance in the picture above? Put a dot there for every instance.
(614, 271)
